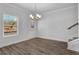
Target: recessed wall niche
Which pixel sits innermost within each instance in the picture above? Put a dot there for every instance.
(10, 25)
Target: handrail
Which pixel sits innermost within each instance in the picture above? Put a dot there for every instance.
(73, 38)
(73, 25)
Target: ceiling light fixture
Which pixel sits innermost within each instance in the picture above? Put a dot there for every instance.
(36, 15)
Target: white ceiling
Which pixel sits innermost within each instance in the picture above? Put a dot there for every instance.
(44, 7)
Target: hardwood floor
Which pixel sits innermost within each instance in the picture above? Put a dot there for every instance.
(37, 46)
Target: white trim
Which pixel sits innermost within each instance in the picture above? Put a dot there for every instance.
(52, 38)
(14, 5)
(60, 9)
(4, 45)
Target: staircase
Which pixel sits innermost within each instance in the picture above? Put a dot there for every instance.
(73, 42)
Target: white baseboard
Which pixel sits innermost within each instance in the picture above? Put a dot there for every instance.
(51, 38)
(4, 45)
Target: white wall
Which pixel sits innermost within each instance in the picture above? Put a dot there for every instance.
(54, 24)
(24, 32)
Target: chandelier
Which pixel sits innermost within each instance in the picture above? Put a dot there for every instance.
(35, 15)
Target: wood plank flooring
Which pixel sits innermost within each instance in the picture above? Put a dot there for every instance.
(37, 46)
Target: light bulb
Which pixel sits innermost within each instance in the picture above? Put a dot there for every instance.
(34, 17)
(31, 16)
(38, 16)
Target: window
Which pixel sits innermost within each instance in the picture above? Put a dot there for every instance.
(9, 25)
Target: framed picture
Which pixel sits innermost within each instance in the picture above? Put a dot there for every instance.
(10, 25)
